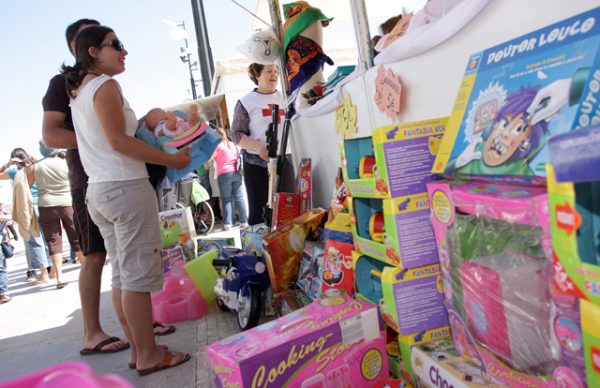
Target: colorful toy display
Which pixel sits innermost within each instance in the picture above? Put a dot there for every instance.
(515, 95)
(495, 247)
(337, 259)
(404, 154)
(332, 342)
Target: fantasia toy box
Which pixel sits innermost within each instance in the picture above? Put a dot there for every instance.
(414, 298)
(396, 231)
(395, 162)
(495, 249)
(333, 342)
(516, 95)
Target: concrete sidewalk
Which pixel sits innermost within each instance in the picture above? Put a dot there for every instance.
(42, 326)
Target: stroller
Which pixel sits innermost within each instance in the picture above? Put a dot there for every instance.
(188, 192)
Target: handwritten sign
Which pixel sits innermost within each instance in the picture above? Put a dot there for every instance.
(345, 118)
(388, 90)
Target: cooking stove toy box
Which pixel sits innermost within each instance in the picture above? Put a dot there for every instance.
(333, 342)
(516, 95)
(395, 162)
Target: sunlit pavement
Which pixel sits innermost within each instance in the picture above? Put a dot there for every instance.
(42, 326)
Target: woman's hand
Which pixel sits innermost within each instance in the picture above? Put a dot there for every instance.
(262, 151)
(182, 158)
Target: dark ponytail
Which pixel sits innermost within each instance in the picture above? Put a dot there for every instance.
(92, 36)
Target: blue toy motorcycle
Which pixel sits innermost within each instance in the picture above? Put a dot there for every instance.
(239, 288)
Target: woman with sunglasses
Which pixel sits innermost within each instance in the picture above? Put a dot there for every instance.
(120, 198)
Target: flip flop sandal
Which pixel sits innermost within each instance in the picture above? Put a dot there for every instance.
(61, 285)
(98, 348)
(164, 364)
(132, 365)
(170, 328)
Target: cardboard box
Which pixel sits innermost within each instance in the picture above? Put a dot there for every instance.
(495, 250)
(310, 274)
(286, 207)
(403, 153)
(177, 226)
(252, 239)
(436, 364)
(517, 94)
(304, 184)
(408, 241)
(283, 248)
(590, 326)
(414, 298)
(170, 256)
(332, 342)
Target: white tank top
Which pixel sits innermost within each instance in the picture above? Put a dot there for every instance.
(99, 160)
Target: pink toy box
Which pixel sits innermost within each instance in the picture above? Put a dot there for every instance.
(179, 300)
(68, 374)
(333, 342)
(495, 253)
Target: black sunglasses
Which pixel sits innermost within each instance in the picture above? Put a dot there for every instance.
(115, 43)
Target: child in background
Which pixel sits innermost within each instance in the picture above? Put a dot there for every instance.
(231, 183)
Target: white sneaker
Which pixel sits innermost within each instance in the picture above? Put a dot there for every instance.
(227, 227)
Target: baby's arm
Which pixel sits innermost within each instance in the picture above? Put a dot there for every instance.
(193, 119)
(171, 121)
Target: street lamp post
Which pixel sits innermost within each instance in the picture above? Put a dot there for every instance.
(187, 59)
(179, 33)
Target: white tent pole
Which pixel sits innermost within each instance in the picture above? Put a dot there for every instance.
(363, 37)
(275, 11)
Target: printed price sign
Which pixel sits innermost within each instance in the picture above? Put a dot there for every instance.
(388, 90)
(345, 118)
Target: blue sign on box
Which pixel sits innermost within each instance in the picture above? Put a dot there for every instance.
(575, 155)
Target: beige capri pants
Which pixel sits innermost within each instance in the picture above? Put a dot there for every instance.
(126, 213)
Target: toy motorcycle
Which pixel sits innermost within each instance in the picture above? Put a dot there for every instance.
(239, 288)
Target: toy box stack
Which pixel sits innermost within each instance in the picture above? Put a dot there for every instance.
(511, 281)
(573, 187)
(333, 342)
(395, 261)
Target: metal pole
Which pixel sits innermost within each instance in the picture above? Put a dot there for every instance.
(363, 37)
(189, 62)
(205, 59)
(278, 30)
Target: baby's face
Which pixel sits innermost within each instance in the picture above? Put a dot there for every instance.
(154, 117)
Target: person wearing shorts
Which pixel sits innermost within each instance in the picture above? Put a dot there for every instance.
(55, 209)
